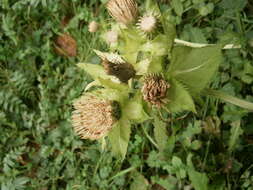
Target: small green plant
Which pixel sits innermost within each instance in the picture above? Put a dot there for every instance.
(146, 74)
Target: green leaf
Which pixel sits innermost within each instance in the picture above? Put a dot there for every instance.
(179, 98)
(155, 52)
(228, 98)
(234, 5)
(193, 34)
(129, 48)
(110, 94)
(176, 162)
(152, 6)
(112, 85)
(194, 67)
(19, 183)
(168, 183)
(178, 167)
(156, 64)
(192, 129)
(196, 144)
(199, 180)
(169, 29)
(119, 137)
(142, 67)
(188, 134)
(139, 183)
(157, 47)
(171, 143)
(160, 134)
(96, 71)
(247, 75)
(178, 7)
(122, 173)
(235, 133)
(8, 24)
(133, 110)
(207, 9)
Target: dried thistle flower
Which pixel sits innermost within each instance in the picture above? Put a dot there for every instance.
(155, 89)
(111, 37)
(66, 45)
(124, 11)
(123, 71)
(116, 66)
(111, 57)
(93, 26)
(147, 23)
(93, 117)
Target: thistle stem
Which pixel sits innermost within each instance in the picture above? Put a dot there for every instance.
(149, 137)
(199, 45)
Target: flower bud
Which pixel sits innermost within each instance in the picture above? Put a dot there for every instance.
(93, 26)
(123, 11)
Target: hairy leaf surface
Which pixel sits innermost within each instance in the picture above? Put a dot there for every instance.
(119, 137)
(194, 67)
(179, 98)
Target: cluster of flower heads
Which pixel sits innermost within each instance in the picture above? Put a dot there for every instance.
(126, 12)
(93, 118)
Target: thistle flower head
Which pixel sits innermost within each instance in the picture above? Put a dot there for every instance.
(155, 89)
(93, 117)
(116, 66)
(123, 11)
(93, 26)
(147, 23)
(123, 71)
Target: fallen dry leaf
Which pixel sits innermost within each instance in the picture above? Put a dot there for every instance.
(66, 45)
(65, 20)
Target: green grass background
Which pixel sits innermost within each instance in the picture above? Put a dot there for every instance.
(38, 148)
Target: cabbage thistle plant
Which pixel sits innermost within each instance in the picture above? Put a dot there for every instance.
(143, 76)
